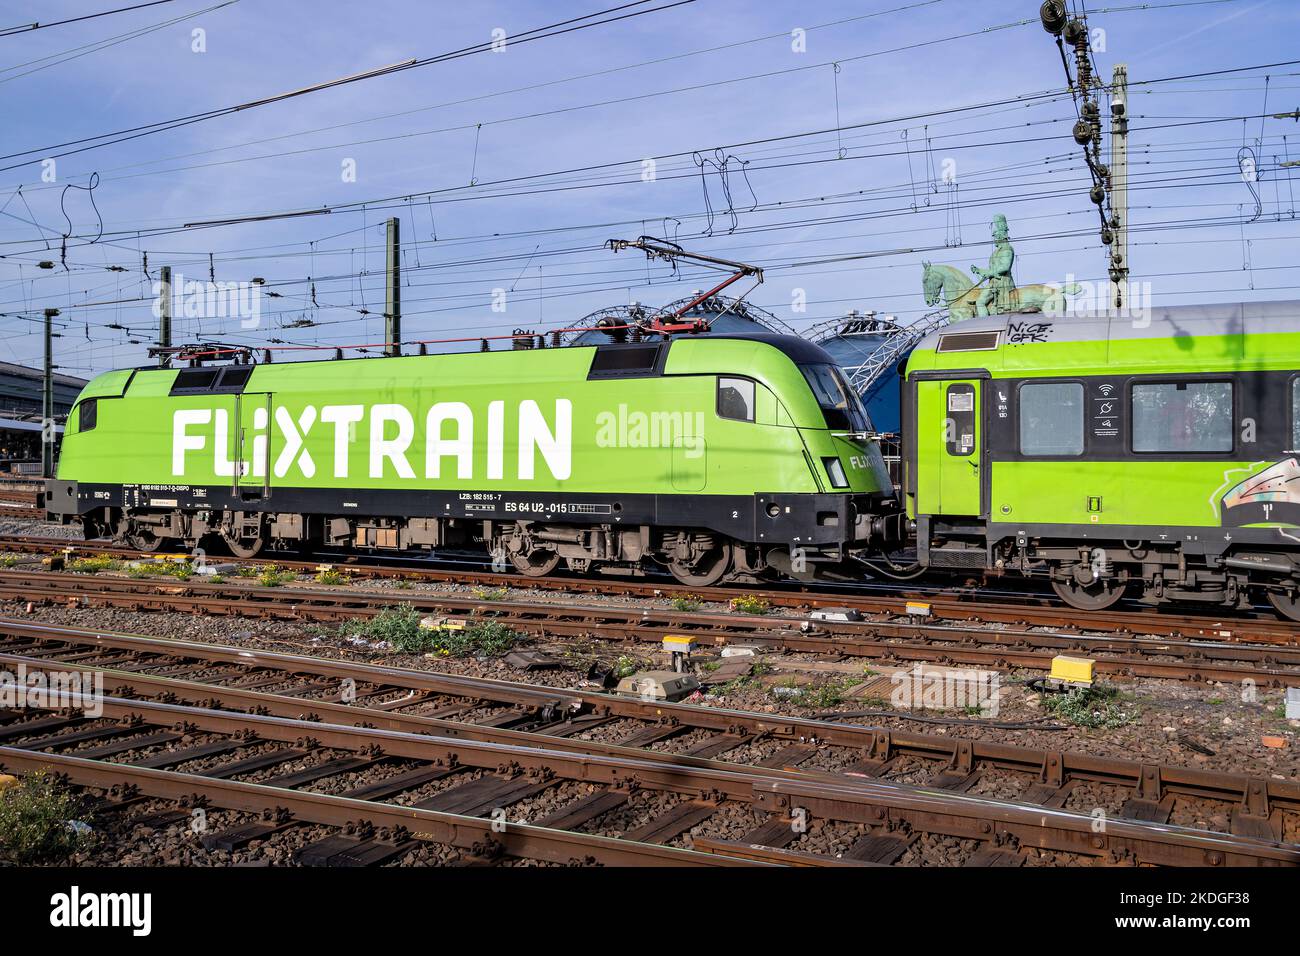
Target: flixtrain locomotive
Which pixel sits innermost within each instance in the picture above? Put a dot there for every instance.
(714, 456)
(1154, 455)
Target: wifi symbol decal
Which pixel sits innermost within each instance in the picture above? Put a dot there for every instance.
(1106, 390)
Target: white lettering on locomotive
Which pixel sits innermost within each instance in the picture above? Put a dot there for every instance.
(461, 447)
(390, 434)
(394, 449)
(344, 418)
(182, 441)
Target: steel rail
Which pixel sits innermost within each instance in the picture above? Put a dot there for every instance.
(950, 608)
(478, 836)
(195, 693)
(863, 801)
(1255, 796)
(1132, 657)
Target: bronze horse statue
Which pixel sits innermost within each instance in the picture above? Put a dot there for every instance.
(961, 294)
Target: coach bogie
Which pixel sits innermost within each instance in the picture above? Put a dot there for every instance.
(1088, 587)
(1285, 601)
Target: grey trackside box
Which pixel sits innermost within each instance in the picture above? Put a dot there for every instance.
(658, 685)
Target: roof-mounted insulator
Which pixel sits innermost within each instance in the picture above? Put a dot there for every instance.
(484, 346)
(424, 349)
(267, 357)
(614, 328)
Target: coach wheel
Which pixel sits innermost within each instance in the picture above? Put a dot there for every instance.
(535, 563)
(244, 547)
(1097, 595)
(709, 569)
(1285, 604)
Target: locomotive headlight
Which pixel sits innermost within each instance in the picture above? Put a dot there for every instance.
(836, 472)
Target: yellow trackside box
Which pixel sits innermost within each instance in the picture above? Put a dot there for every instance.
(1072, 671)
(678, 644)
(434, 623)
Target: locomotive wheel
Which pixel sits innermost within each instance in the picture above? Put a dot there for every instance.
(146, 541)
(1285, 604)
(1097, 596)
(244, 547)
(709, 570)
(536, 563)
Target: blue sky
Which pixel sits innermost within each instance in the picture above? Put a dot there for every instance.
(869, 198)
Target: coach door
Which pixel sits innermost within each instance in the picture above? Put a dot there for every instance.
(253, 444)
(949, 447)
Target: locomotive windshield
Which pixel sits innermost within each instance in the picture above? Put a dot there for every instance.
(839, 403)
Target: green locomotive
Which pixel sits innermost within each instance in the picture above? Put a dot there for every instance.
(719, 456)
(1155, 455)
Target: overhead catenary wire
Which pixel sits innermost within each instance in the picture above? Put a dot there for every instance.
(83, 144)
(30, 27)
(824, 236)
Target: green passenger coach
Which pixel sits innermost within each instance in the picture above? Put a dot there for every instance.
(1155, 455)
(716, 456)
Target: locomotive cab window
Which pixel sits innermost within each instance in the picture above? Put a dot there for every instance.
(736, 399)
(1182, 417)
(1051, 419)
(840, 405)
(87, 414)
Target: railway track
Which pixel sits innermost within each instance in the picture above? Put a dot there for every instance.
(185, 719)
(886, 641)
(21, 494)
(958, 607)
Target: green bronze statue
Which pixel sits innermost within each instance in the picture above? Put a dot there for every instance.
(995, 297)
(995, 292)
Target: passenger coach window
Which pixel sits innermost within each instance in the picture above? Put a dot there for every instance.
(1182, 417)
(736, 399)
(1051, 418)
(959, 425)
